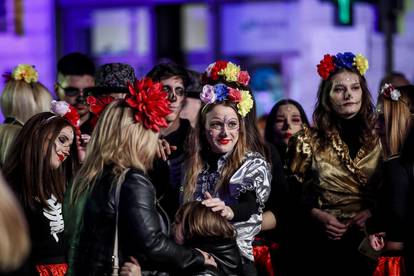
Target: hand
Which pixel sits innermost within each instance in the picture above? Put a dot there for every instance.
(164, 149)
(81, 146)
(360, 219)
(131, 268)
(377, 241)
(208, 259)
(218, 205)
(333, 228)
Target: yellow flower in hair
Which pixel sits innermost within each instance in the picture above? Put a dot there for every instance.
(231, 72)
(245, 104)
(25, 72)
(361, 63)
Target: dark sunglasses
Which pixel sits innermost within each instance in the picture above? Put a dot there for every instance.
(74, 91)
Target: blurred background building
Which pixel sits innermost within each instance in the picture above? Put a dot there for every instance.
(279, 42)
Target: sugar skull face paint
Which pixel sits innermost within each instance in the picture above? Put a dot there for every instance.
(287, 123)
(61, 147)
(222, 128)
(346, 94)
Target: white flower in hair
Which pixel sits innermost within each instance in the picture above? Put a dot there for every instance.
(390, 92)
(395, 95)
(59, 107)
(208, 69)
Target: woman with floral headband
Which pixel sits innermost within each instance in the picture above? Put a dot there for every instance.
(223, 172)
(44, 159)
(22, 97)
(395, 108)
(332, 164)
(121, 202)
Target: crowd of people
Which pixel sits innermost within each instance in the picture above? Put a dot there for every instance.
(171, 174)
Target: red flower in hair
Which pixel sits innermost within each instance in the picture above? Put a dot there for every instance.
(68, 112)
(326, 66)
(218, 66)
(97, 105)
(234, 95)
(150, 103)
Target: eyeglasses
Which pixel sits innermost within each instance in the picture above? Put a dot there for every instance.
(219, 126)
(74, 91)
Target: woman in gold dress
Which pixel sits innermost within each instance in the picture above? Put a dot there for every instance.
(331, 165)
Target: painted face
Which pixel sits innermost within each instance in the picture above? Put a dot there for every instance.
(288, 122)
(222, 128)
(61, 147)
(174, 86)
(72, 87)
(346, 94)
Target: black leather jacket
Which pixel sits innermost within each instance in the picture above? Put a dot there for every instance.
(142, 232)
(224, 251)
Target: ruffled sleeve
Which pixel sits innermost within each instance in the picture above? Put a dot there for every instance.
(253, 175)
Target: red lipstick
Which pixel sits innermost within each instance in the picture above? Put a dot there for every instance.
(224, 141)
(61, 156)
(287, 135)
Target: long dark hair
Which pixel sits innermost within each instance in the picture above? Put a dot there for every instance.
(271, 119)
(326, 120)
(28, 168)
(198, 150)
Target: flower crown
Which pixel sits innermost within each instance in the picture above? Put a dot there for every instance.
(149, 102)
(25, 72)
(228, 71)
(347, 60)
(65, 110)
(221, 92)
(389, 92)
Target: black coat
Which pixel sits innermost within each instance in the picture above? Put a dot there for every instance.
(142, 231)
(224, 251)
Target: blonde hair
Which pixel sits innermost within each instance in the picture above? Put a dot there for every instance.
(398, 118)
(21, 100)
(8, 134)
(199, 221)
(15, 243)
(198, 150)
(118, 140)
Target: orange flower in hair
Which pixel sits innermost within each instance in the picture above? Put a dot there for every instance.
(150, 103)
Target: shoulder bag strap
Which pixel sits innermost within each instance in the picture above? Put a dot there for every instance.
(115, 254)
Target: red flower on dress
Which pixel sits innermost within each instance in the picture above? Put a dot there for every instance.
(150, 103)
(234, 95)
(218, 66)
(326, 66)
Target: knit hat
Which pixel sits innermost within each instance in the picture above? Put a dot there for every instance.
(113, 78)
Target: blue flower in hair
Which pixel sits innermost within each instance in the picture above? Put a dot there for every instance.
(221, 91)
(344, 60)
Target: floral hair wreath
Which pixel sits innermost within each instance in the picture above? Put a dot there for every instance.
(149, 102)
(23, 72)
(221, 92)
(389, 92)
(348, 60)
(65, 110)
(227, 72)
